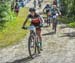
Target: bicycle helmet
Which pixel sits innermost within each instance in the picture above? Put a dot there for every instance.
(31, 10)
(47, 5)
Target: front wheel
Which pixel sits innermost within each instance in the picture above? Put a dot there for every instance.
(31, 46)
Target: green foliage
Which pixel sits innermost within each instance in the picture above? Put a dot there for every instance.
(13, 31)
(5, 14)
(68, 7)
(68, 12)
(66, 20)
(69, 21)
(72, 25)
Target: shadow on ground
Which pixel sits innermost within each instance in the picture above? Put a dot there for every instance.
(50, 33)
(71, 35)
(24, 60)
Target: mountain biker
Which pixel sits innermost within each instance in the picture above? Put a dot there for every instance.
(47, 10)
(39, 3)
(36, 21)
(55, 13)
(34, 3)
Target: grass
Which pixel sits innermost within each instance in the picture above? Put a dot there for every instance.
(69, 21)
(13, 32)
(72, 25)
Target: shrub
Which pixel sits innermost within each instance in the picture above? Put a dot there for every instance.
(72, 25)
(5, 14)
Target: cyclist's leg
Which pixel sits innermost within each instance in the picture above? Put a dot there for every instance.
(49, 19)
(54, 24)
(38, 31)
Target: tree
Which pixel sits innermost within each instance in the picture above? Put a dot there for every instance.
(68, 7)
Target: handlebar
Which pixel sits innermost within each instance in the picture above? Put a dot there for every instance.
(33, 27)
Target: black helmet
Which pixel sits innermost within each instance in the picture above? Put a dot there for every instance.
(48, 5)
(31, 10)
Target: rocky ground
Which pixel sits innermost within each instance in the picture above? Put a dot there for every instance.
(57, 48)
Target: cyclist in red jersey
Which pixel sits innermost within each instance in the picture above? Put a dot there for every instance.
(36, 21)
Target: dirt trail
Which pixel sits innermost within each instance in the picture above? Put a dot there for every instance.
(57, 48)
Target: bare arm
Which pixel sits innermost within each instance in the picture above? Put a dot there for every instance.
(25, 22)
(41, 19)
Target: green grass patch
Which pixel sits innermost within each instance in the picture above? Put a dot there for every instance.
(65, 20)
(68, 21)
(13, 32)
(72, 25)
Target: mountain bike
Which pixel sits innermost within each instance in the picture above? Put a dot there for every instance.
(33, 42)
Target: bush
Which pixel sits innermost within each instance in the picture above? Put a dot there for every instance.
(5, 14)
(72, 25)
(13, 32)
(66, 20)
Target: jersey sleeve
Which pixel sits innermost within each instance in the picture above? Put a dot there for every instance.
(27, 18)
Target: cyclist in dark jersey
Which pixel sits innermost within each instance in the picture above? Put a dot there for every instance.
(36, 21)
(47, 10)
(55, 12)
(39, 3)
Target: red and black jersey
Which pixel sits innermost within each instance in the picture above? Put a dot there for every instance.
(35, 19)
